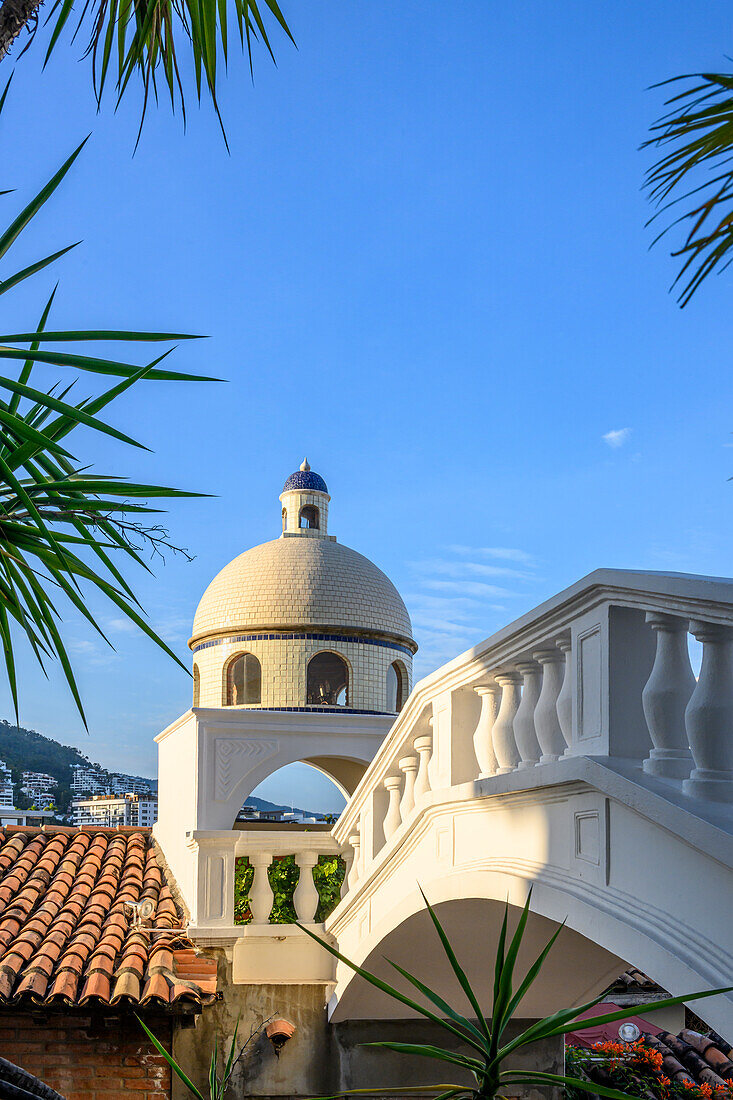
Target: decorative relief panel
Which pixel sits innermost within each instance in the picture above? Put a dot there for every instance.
(588, 837)
(589, 685)
(236, 758)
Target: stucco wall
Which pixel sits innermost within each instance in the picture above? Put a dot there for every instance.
(320, 1058)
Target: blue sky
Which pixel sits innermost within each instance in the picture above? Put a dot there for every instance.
(425, 265)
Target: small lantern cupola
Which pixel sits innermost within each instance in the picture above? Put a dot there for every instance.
(304, 502)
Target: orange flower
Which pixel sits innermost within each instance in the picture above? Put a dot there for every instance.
(707, 1091)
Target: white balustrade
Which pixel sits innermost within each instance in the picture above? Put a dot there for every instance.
(260, 896)
(525, 734)
(709, 715)
(392, 819)
(564, 705)
(483, 744)
(408, 766)
(305, 896)
(424, 750)
(505, 747)
(354, 870)
(665, 698)
(546, 719)
(600, 670)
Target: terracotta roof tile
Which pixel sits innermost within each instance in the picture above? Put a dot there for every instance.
(67, 930)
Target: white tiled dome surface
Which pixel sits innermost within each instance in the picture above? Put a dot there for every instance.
(301, 582)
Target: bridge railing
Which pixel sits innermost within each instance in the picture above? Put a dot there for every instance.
(217, 856)
(602, 669)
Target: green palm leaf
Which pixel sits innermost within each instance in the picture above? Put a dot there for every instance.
(62, 524)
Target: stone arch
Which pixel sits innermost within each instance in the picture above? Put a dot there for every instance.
(329, 680)
(599, 941)
(241, 680)
(343, 772)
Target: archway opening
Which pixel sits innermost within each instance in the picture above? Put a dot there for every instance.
(243, 680)
(396, 687)
(309, 519)
(328, 680)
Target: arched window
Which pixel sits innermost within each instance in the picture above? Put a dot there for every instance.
(285, 519)
(308, 517)
(395, 687)
(243, 680)
(328, 680)
(196, 685)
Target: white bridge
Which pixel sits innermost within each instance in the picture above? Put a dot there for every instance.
(574, 752)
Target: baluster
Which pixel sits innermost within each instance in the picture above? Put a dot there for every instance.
(424, 749)
(260, 896)
(392, 819)
(353, 877)
(666, 696)
(546, 720)
(483, 744)
(524, 731)
(709, 716)
(347, 855)
(408, 766)
(305, 896)
(564, 705)
(505, 747)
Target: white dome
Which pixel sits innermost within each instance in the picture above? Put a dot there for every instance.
(302, 583)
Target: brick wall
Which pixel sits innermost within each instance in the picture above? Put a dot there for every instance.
(90, 1057)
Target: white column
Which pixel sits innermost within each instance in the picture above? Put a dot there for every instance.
(353, 876)
(666, 696)
(408, 766)
(709, 716)
(505, 747)
(305, 896)
(260, 896)
(483, 744)
(392, 784)
(564, 703)
(525, 734)
(546, 720)
(423, 748)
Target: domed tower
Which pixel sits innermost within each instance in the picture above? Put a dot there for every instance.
(302, 651)
(302, 622)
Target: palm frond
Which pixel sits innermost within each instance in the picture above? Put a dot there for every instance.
(695, 176)
(61, 523)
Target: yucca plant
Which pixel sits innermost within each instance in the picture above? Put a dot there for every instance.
(65, 530)
(695, 175)
(484, 1068)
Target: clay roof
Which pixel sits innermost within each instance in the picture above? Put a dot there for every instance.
(67, 934)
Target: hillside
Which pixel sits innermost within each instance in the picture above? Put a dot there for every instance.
(27, 750)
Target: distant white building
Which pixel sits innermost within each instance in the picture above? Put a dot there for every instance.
(130, 784)
(39, 786)
(112, 810)
(88, 780)
(6, 785)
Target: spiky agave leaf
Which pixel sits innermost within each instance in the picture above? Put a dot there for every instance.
(487, 1071)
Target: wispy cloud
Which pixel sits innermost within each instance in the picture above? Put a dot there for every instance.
(453, 602)
(616, 437)
(503, 553)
